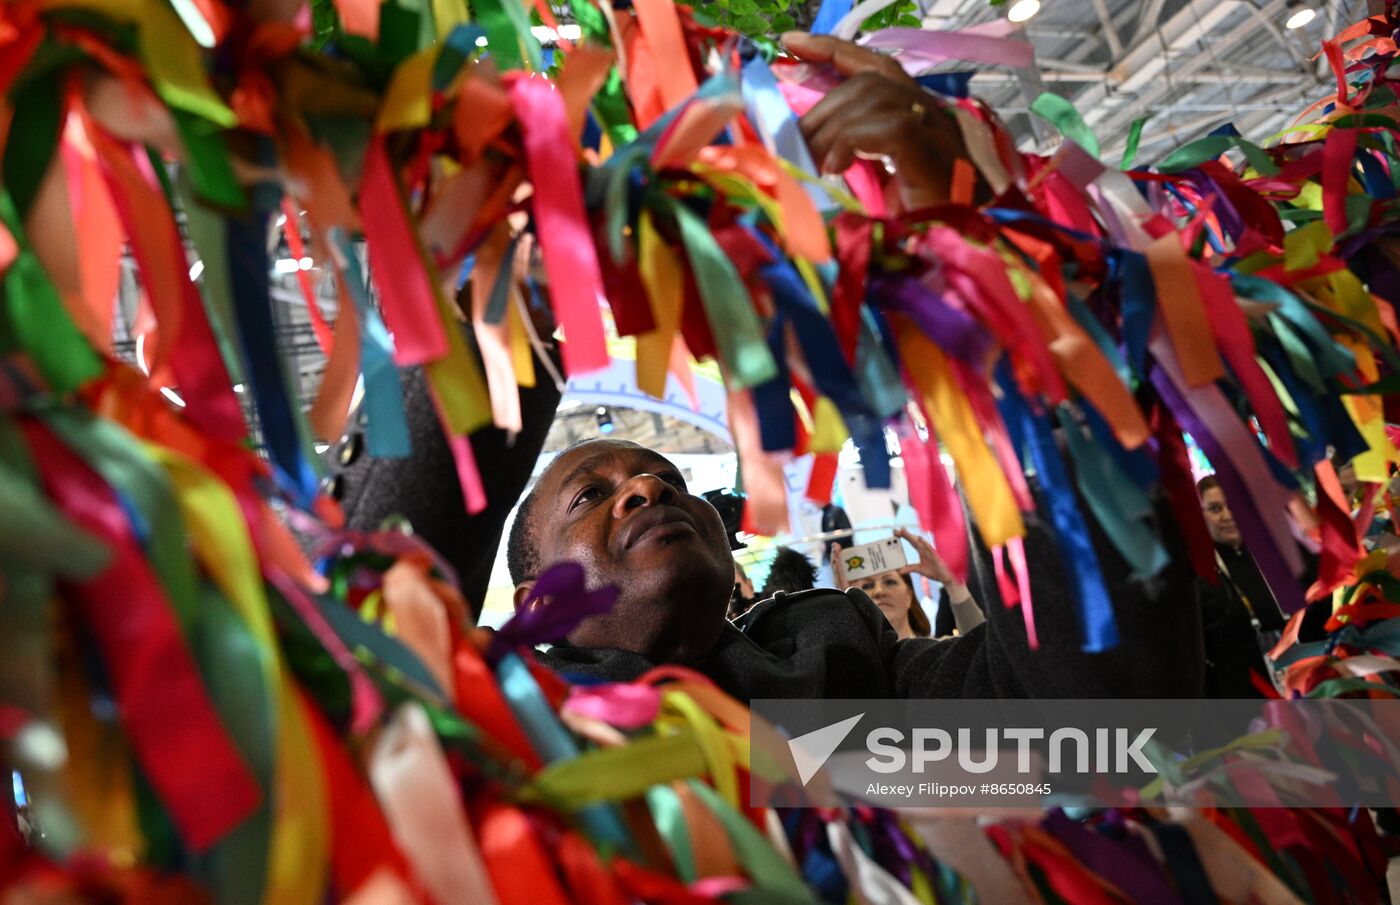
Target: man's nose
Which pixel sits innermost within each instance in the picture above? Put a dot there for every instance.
(643, 490)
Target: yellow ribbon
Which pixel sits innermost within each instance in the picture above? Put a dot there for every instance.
(663, 278)
(299, 847)
(988, 493)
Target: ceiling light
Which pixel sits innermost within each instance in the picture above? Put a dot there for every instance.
(1022, 10)
(1299, 15)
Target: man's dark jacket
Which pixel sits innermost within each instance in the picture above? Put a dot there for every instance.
(819, 643)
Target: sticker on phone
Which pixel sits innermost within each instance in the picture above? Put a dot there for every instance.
(865, 560)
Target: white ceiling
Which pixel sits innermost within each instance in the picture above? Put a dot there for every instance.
(1188, 65)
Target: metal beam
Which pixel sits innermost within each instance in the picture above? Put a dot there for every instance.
(1110, 32)
(1147, 21)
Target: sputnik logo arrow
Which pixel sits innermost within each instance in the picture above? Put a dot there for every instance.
(810, 751)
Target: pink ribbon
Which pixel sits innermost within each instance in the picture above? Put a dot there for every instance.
(918, 49)
(933, 496)
(621, 705)
(570, 259)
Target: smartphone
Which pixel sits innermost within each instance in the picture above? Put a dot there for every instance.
(865, 560)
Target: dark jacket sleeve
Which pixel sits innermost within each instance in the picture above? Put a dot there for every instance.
(424, 489)
(1159, 654)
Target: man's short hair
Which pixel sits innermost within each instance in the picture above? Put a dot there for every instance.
(1209, 482)
(522, 555)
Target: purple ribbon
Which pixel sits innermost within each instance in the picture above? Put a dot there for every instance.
(1225, 212)
(558, 602)
(1257, 537)
(1126, 865)
(955, 330)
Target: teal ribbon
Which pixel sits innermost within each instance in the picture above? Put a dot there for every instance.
(1119, 504)
(1332, 359)
(669, 817)
(386, 426)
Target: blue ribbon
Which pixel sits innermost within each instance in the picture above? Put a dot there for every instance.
(1138, 301)
(830, 15)
(1097, 625)
(1374, 177)
(850, 392)
(948, 84)
(777, 424)
(282, 429)
(386, 427)
(770, 114)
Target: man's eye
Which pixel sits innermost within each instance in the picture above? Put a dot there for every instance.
(674, 480)
(591, 492)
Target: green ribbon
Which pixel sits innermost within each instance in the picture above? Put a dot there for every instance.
(1333, 688)
(37, 535)
(727, 304)
(508, 34)
(233, 665)
(399, 30)
(617, 774)
(35, 319)
(1131, 149)
(771, 874)
(610, 106)
(1062, 114)
(36, 124)
(209, 167)
(1197, 152)
(206, 231)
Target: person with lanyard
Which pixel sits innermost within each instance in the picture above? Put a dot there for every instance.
(1240, 617)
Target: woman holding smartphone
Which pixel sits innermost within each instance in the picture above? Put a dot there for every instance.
(893, 591)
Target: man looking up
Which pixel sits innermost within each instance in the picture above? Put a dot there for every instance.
(624, 513)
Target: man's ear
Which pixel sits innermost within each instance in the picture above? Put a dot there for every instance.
(522, 593)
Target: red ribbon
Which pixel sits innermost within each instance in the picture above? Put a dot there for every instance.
(1337, 158)
(1341, 542)
(360, 841)
(570, 258)
(176, 734)
(406, 293)
(522, 872)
